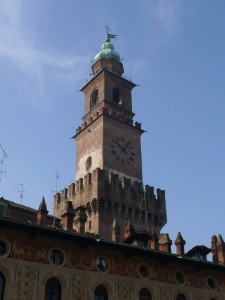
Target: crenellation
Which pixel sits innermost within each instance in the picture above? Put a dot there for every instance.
(111, 177)
(71, 190)
(106, 193)
(89, 178)
(160, 195)
(57, 198)
(149, 191)
(138, 125)
(64, 194)
(124, 182)
(80, 184)
(136, 186)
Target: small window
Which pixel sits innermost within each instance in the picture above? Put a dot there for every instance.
(144, 271)
(88, 163)
(2, 286)
(94, 98)
(212, 283)
(117, 97)
(145, 295)
(100, 293)
(180, 277)
(53, 289)
(3, 248)
(102, 264)
(57, 257)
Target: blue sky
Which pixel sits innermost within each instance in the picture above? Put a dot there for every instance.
(173, 49)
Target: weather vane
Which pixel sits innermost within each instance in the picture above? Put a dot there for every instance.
(109, 35)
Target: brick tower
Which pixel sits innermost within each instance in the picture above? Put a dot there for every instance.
(108, 160)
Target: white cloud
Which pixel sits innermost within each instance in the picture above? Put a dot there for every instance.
(168, 15)
(20, 48)
(164, 21)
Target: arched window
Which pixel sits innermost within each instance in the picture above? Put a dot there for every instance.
(101, 293)
(145, 295)
(53, 289)
(2, 286)
(117, 97)
(94, 98)
(180, 297)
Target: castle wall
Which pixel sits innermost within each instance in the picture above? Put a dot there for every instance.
(106, 196)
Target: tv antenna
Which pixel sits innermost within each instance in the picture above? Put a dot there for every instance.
(4, 156)
(143, 204)
(21, 191)
(55, 192)
(56, 183)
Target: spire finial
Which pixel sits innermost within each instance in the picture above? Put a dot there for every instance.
(108, 35)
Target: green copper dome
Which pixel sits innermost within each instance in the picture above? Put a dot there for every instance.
(107, 52)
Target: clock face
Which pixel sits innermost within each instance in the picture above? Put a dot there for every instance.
(122, 150)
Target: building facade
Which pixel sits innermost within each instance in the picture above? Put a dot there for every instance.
(104, 240)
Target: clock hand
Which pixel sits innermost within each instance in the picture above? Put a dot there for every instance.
(118, 144)
(124, 149)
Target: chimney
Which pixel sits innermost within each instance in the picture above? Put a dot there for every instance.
(179, 242)
(129, 229)
(214, 249)
(220, 249)
(165, 243)
(80, 219)
(42, 212)
(67, 216)
(154, 242)
(115, 231)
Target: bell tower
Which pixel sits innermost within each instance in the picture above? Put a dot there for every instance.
(108, 139)
(108, 183)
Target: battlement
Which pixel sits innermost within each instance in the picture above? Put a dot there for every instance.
(120, 197)
(112, 180)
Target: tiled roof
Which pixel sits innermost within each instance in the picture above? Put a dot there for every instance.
(98, 242)
(17, 205)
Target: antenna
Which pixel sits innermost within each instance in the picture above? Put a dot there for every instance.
(4, 156)
(21, 191)
(55, 192)
(144, 205)
(56, 181)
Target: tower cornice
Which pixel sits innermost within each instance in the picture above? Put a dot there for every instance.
(111, 73)
(84, 126)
